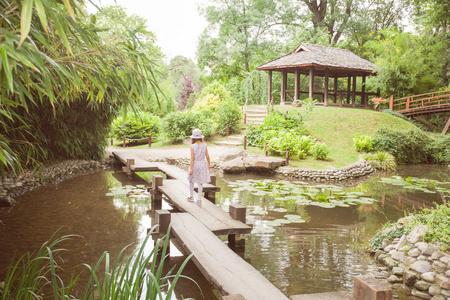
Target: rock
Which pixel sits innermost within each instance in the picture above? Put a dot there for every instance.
(429, 276)
(404, 220)
(426, 250)
(417, 234)
(420, 294)
(445, 293)
(230, 154)
(414, 252)
(262, 163)
(421, 266)
(233, 166)
(434, 290)
(385, 243)
(398, 255)
(439, 266)
(398, 271)
(447, 273)
(409, 278)
(401, 242)
(437, 254)
(443, 281)
(438, 297)
(389, 262)
(394, 279)
(445, 259)
(390, 248)
(422, 285)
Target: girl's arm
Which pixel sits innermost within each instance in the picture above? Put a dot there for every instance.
(207, 157)
(192, 161)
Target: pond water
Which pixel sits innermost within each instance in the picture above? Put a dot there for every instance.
(299, 245)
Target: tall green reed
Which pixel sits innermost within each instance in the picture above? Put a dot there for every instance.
(135, 276)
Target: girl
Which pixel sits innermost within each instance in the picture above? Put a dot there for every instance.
(199, 168)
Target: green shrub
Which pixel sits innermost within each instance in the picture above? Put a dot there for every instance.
(303, 145)
(406, 146)
(381, 160)
(211, 96)
(362, 143)
(179, 125)
(208, 102)
(320, 151)
(439, 149)
(137, 126)
(398, 115)
(228, 112)
(285, 120)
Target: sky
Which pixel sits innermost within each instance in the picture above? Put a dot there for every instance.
(176, 23)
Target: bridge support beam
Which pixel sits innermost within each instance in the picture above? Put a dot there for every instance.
(446, 126)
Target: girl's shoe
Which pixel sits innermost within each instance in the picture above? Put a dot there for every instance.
(190, 199)
(199, 202)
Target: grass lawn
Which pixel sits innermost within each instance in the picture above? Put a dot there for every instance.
(336, 127)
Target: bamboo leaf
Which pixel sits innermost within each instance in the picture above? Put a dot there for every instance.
(69, 9)
(7, 68)
(25, 20)
(41, 13)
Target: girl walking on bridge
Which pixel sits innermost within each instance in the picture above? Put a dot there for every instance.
(199, 167)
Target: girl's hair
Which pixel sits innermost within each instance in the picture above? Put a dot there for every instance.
(195, 140)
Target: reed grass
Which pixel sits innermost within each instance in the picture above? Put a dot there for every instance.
(136, 276)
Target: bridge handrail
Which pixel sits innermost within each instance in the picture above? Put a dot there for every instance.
(415, 103)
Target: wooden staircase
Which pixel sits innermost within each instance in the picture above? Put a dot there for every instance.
(255, 115)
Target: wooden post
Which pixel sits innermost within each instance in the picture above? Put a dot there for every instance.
(363, 92)
(246, 103)
(149, 140)
(112, 141)
(287, 157)
(391, 103)
(272, 101)
(446, 126)
(325, 94)
(228, 129)
(245, 118)
(265, 149)
(407, 102)
(242, 107)
(311, 82)
(354, 91)
(335, 88)
(283, 86)
(127, 167)
(340, 99)
(163, 220)
(368, 287)
(245, 142)
(211, 196)
(349, 87)
(124, 141)
(297, 85)
(269, 90)
(237, 212)
(157, 180)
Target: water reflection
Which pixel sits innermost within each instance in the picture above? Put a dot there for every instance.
(323, 254)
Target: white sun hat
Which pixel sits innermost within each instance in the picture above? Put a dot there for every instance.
(197, 134)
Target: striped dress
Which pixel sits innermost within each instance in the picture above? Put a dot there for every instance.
(200, 170)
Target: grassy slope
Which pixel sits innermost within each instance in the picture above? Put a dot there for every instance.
(336, 127)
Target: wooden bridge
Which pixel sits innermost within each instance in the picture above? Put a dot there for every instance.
(423, 104)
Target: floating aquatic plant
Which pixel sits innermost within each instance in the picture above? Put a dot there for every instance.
(420, 184)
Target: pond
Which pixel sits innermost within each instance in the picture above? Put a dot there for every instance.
(306, 238)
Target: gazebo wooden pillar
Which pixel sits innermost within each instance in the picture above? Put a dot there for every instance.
(325, 93)
(311, 82)
(297, 85)
(283, 86)
(269, 91)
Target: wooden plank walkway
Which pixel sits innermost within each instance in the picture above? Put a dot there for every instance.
(219, 264)
(212, 216)
(324, 296)
(171, 171)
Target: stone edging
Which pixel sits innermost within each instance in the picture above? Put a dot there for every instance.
(14, 186)
(417, 265)
(355, 170)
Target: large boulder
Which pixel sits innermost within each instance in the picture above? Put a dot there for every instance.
(417, 234)
(230, 154)
(262, 163)
(233, 166)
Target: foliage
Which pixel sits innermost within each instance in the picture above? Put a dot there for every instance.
(320, 151)
(439, 149)
(185, 76)
(362, 143)
(437, 220)
(178, 126)
(406, 146)
(137, 126)
(208, 102)
(381, 160)
(32, 275)
(228, 112)
(53, 58)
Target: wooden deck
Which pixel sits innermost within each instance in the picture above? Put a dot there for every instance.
(211, 216)
(226, 270)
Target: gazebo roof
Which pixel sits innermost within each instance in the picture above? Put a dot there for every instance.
(339, 62)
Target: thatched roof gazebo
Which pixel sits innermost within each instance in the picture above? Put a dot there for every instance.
(314, 60)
